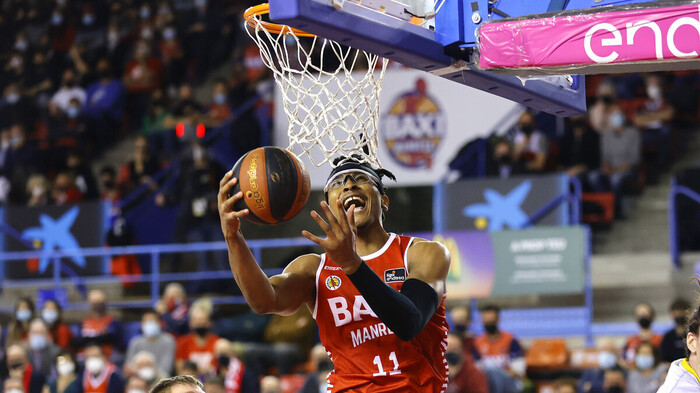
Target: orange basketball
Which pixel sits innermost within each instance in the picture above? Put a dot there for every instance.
(274, 182)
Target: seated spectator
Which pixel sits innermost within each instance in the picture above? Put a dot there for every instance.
(143, 75)
(99, 327)
(59, 332)
(614, 380)
(530, 146)
(644, 314)
(82, 173)
(144, 365)
(579, 150)
(502, 164)
(648, 375)
(65, 191)
(620, 155)
(38, 82)
(172, 55)
(104, 104)
(317, 380)
(654, 120)
(140, 169)
(61, 100)
(270, 384)
(136, 384)
(197, 346)
(592, 379)
(18, 329)
(68, 131)
(464, 377)
(186, 111)
(66, 380)
(15, 70)
(467, 378)
(173, 309)
(600, 112)
(38, 190)
(18, 367)
(16, 108)
(42, 351)
(499, 354)
(156, 113)
(673, 342)
(220, 109)
(100, 376)
(108, 184)
(236, 377)
(154, 341)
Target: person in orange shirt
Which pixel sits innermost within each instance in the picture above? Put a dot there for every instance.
(60, 333)
(644, 314)
(99, 327)
(499, 354)
(198, 346)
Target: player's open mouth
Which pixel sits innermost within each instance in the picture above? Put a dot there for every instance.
(354, 200)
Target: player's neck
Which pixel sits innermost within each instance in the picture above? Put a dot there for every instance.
(370, 239)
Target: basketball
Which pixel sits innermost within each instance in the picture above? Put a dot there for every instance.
(274, 182)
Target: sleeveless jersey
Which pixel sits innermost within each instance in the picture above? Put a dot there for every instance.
(367, 356)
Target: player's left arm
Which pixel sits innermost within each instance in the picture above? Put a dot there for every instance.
(429, 262)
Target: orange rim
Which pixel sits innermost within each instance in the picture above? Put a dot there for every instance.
(263, 9)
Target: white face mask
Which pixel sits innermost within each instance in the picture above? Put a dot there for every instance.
(150, 328)
(147, 373)
(617, 120)
(135, 391)
(65, 368)
(37, 341)
(23, 315)
(654, 92)
(94, 365)
(50, 316)
(14, 391)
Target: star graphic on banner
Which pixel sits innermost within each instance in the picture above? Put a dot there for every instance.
(500, 210)
(56, 234)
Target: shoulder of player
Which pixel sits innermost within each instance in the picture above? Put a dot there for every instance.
(428, 248)
(306, 264)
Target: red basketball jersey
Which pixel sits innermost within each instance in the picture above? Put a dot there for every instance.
(367, 356)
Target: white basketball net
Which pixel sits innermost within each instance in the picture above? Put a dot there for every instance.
(331, 112)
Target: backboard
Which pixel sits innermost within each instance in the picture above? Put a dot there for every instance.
(384, 27)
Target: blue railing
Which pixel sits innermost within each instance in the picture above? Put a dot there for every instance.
(155, 278)
(674, 245)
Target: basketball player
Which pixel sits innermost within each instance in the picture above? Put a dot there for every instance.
(377, 297)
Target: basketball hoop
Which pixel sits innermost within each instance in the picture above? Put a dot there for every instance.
(332, 111)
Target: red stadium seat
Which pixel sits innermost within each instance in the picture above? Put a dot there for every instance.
(547, 354)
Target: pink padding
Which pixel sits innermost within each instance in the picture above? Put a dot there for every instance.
(646, 35)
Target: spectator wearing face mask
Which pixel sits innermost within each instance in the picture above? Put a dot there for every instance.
(18, 329)
(21, 161)
(66, 380)
(104, 105)
(606, 103)
(99, 327)
(614, 380)
(174, 310)
(530, 145)
(153, 340)
(648, 374)
(65, 191)
(644, 314)
(42, 351)
(135, 384)
(463, 371)
(172, 55)
(620, 154)
(61, 30)
(654, 121)
(236, 376)
(38, 189)
(60, 333)
(220, 109)
(673, 343)
(16, 108)
(198, 346)
(69, 89)
(499, 354)
(144, 366)
(100, 376)
(19, 368)
(140, 169)
(15, 69)
(592, 379)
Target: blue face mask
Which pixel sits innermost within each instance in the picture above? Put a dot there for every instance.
(72, 112)
(21, 45)
(12, 98)
(617, 120)
(644, 362)
(88, 19)
(37, 341)
(145, 13)
(220, 98)
(606, 360)
(56, 19)
(168, 34)
(23, 315)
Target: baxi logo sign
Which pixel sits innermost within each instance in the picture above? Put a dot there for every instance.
(630, 36)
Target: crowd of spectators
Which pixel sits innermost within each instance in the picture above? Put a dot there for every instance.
(627, 138)
(41, 352)
(78, 76)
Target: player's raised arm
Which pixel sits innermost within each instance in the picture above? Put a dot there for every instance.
(281, 294)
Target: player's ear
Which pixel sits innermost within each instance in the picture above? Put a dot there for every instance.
(385, 203)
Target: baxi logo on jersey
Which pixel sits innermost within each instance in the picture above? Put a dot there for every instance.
(333, 283)
(414, 127)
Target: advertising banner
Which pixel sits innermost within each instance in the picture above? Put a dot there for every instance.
(55, 228)
(497, 204)
(424, 122)
(546, 260)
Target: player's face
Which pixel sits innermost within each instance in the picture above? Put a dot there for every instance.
(357, 188)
